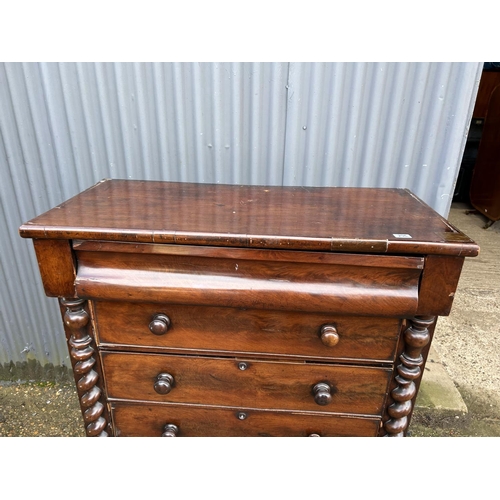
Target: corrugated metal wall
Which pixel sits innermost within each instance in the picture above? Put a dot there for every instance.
(63, 127)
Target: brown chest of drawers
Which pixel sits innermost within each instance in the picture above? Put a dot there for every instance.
(215, 310)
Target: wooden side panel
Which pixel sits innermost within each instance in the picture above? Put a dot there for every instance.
(438, 285)
(57, 267)
(196, 421)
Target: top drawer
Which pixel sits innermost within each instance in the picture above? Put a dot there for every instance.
(260, 279)
(223, 330)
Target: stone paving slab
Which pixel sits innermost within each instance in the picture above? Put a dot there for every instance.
(437, 390)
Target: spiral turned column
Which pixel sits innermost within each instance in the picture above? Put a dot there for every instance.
(76, 320)
(416, 337)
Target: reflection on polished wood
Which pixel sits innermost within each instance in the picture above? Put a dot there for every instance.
(83, 357)
(264, 384)
(251, 332)
(339, 219)
(132, 420)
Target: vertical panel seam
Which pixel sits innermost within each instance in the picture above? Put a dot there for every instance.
(285, 131)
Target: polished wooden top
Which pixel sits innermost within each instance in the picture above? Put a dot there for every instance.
(328, 219)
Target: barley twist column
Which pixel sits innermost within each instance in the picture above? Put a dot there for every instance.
(76, 320)
(416, 337)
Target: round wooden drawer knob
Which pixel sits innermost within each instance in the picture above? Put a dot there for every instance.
(164, 383)
(322, 394)
(329, 335)
(170, 430)
(159, 324)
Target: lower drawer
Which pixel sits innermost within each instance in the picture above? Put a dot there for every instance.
(246, 383)
(132, 420)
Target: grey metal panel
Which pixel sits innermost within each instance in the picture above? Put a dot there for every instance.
(27, 319)
(63, 127)
(380, 125)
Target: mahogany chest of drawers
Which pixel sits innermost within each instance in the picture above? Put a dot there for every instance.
(216, 310)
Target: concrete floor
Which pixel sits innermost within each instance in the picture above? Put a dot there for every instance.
(468, 341)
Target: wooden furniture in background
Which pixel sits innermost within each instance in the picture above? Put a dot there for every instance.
(485, 184)
(214, 310)
(487, 177)
(489, 81)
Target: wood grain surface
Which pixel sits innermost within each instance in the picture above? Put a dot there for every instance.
(439, 283)
(267, 385)
(302, 286)
(57, 265)
(230, 331)
(195, 421)
(331, 219)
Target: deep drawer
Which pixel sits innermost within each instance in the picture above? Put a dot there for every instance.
(245, 383)
(133, 420)
(193, 329)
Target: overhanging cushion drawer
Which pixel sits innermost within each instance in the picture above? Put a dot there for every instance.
(264, 279)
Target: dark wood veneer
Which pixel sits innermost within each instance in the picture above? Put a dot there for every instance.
(325, 219)
(262, 384)
(195, 421)
(345, 289)
(57, 267)
(198, 329)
